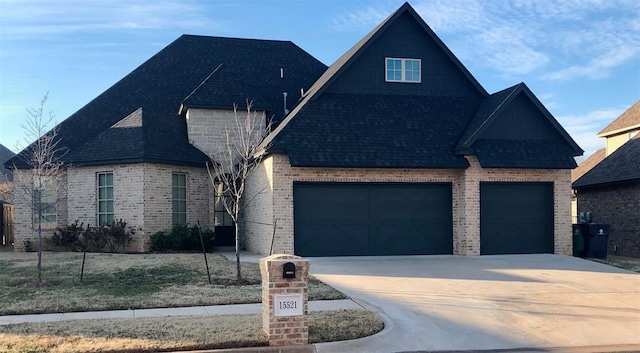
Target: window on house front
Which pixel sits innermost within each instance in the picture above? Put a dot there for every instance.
(402, 70)
(220, 216)
(179, 198)
(105, 198)
(44, 204)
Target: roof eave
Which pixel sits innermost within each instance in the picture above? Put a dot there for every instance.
(618, 131)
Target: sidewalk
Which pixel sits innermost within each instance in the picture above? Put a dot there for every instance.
(316, 305)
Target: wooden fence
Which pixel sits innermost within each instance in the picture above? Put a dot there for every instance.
(7, 225)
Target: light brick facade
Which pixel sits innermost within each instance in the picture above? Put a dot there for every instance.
(207, 127)
(274, 180)
(142, 198)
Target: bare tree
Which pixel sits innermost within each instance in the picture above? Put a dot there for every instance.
(234, 163)
(6, 189)
(40, 184)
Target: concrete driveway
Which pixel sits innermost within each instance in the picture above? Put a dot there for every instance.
(436, 303)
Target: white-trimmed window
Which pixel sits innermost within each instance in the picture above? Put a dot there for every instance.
(44, 203)
(179, 198)
(402, 70)
(105, 198)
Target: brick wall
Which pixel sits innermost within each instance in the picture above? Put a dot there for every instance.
(278, 175)
(470, 217)
(142, 198)
(24, 228)
(282, 176)
(157, 197)
(619, 206)
(258, 216)
(206, 128)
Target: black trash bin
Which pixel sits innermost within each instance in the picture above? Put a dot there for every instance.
(580, 232)
(596, 242)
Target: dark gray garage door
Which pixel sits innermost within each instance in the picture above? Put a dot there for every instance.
(516, 218)
(335, 219)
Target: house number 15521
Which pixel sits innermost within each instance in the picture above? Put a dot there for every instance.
(288, 305)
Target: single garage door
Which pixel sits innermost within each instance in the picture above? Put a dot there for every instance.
(516, 218)
(336, 219)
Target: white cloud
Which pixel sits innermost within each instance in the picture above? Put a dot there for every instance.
(366, 18)
(553, 40)
(583, 128)
(21, 19)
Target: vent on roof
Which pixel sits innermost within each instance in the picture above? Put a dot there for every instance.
(284, 95)
(132, 120)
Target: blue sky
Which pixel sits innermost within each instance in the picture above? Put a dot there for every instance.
(580, 57)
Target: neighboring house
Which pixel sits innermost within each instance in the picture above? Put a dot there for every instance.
(610, 189)
(6, 198)
(5, 173)
(394, 149)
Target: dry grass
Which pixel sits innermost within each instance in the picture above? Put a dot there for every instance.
(627, 263)
(175, 333)
(128, 281)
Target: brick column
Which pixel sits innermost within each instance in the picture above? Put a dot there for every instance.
(285, 300)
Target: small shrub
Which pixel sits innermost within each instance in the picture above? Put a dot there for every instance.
(160, 241)
(28, 247)
(183, 238)
(68, 237)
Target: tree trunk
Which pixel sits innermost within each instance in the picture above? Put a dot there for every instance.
(39, 237)
(238, 274)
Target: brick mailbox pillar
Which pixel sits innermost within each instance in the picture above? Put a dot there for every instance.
(284, 299)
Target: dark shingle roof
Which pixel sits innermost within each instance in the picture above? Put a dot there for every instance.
(630, 119)
(623, 165)
(365, 130)
(5, 155)
(532, 154)
(387, 131)
(160, 85)
(549, 147)
(486, 111)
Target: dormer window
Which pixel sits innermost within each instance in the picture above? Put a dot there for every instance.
(402, 70)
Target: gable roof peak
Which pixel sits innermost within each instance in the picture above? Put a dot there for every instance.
(494, 104)
(343, 62)
(628, 120)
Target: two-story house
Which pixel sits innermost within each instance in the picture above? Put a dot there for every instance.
(394, 149)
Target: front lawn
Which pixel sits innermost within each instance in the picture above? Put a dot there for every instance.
(128, 281)
(175, 333)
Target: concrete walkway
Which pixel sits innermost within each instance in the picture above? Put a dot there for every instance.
(316, 305)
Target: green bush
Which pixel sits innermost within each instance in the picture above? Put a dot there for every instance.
(183, 238)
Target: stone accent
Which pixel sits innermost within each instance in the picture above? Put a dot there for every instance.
(276, 177)
(142, 198)
(619, 206)
(284, 330)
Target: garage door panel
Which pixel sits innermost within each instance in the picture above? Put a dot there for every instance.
(391, 219)
(350, 239)
(332, 202)
(516, 218)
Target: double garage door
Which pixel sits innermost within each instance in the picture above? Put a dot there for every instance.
(338, 219)
(334, 219)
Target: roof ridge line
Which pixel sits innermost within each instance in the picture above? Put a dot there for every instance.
(197, 88)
